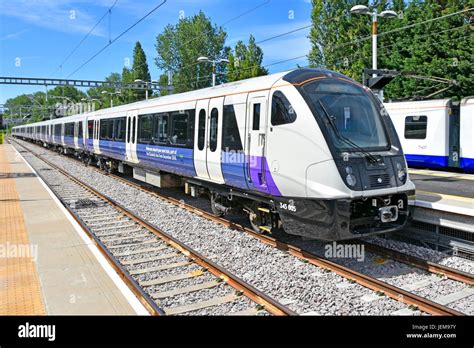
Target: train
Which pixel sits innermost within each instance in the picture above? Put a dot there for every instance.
(436, 134)
(309, 151)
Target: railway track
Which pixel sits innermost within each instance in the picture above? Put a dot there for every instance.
(374, 284)
(168, 277)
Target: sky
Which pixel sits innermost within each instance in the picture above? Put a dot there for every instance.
(36, 36)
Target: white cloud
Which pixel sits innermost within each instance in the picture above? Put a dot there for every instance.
(65, 16)
(13, 35)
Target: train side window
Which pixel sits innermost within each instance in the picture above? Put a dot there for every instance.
(103, 129)
(256, 117)
(415, 127)
(90, 129)
(179, 128)
(110, 129)
(145, 125)
(201, 129)
(134, 128)
(79, 130)
(230, 130)
(213, 130)
(129, 125)
(282, 111)
(161, 133)
(119, 131)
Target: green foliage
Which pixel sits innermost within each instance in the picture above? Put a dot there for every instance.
(440, 48)
(104, 99)
(179, 46)
(245, 61)
(140, 70)
(36, 106)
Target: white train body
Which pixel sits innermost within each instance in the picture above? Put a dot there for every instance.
(436, 133)
(278, 146)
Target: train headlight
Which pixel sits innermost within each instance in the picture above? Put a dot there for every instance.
(350, 178)
(401, 172)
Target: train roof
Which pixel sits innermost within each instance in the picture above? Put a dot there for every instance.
(260, 83)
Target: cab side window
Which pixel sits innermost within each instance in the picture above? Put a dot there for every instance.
(282, 111)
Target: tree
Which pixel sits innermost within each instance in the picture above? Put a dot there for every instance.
(438, 48)
(140, 70)
(36, 107)
(245, 61)
(96, 92)
(180, 45)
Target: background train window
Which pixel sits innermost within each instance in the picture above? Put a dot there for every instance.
(57, 130)
(256, 117)
(179, 128)
(145, 126)
(69, 130)
(201, 129)
(282, 111)
(90, 129)
(230, 130)
(106, 129)
(162, 127)
(213, 130)
(119, 131)
(415, 127)
(79, 131)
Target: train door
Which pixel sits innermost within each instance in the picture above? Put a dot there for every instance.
(214, 136)
(256, 140)
(131, 136)
(76, 134)
(201, 139)
(62, 134)
(95, 142)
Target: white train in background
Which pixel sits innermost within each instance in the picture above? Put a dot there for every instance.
(437, 133)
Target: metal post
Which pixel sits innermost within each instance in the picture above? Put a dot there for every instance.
(374, 41)
(111, 101)
(146, 90)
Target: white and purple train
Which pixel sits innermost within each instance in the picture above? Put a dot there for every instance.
(308, 150)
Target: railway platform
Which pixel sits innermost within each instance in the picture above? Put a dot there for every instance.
(444, 191)
(48, 266)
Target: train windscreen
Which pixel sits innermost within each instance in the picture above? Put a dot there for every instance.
(350, 115)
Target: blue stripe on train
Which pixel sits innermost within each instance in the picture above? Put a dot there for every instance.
(427, 161)
(69, 141)
(467, 164)
(113, 149)
(176, 160)
(233, 169)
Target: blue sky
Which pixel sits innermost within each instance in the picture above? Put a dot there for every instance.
(37, 35)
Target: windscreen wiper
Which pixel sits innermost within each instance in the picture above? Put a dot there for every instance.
(349, 142)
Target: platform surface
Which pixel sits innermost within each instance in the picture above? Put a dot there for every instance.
(46, 267)
(446, 191)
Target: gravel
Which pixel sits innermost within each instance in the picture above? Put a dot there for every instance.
(304, 287)
(301, 286)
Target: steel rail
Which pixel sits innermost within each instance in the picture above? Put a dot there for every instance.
(259, 297)
(393, 292)
(366, 281)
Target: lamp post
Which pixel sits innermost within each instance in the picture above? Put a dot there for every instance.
(88, 100)
(111, 94)
(362, 9)
(147, 85)
(214, 62)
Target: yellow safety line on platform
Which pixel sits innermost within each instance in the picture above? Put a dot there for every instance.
(459, 198)
(440, 174)
(20, 290)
